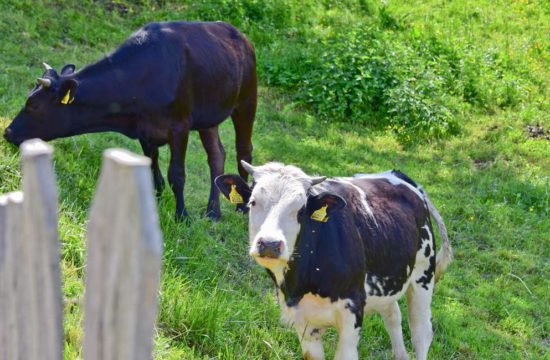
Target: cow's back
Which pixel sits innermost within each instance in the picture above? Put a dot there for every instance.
(389, 215)
(177, 68)
(220, 65)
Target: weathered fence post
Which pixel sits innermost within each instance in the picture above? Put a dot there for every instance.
(30, 283)
(41, 249)
(124, 260)
(11, 234)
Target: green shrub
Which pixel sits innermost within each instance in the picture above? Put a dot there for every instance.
(362, 77)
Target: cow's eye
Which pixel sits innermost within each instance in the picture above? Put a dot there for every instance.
(251, 203)
(32, 106)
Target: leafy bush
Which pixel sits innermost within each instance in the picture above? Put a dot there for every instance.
(362, 77)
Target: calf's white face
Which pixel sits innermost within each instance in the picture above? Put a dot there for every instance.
(278, 195)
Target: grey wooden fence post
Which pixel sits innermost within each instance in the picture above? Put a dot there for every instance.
(11, 235)
(30, 283)
(124, 260)
(40, 252)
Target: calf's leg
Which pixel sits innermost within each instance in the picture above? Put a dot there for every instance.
(152, 151)
(419, 301)
(311, 341)
(216, 158)
(392, 321)
(349, 328)
(179, 137)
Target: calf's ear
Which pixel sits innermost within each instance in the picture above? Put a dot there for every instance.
(234, 188)
(321, 207)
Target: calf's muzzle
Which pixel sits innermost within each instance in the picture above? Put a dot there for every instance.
(269, 248)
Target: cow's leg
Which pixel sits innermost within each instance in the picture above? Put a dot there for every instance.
(179, 137)
(152, 151)
(419, 301)
(311, 341)
(216, 158)
(392, 321)
(243, 122)
(349, 328)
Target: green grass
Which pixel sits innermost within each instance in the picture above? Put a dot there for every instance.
(489, 180)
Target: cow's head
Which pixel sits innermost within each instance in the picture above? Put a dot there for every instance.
(47, 111)
(279, 202)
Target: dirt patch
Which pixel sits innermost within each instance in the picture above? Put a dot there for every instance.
(537, 131)
(116, 6)
(482, 163)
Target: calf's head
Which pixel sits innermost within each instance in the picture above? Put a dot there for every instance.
(47, 110)
(280, 201)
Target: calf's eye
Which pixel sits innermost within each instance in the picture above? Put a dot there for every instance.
(252, 203)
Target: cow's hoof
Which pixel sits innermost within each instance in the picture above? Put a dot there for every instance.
(213, 215)
(183, 218)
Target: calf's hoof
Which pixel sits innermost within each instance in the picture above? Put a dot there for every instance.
(404, 356)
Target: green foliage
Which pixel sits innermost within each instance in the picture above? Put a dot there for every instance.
(380, 70)
(360, 78)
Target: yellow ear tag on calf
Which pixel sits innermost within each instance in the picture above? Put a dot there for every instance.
(320, 214)
(234, 196)
(66, 98)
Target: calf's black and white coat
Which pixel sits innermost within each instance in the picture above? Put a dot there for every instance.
(340, 248)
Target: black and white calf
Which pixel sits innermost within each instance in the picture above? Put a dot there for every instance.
(340, 248)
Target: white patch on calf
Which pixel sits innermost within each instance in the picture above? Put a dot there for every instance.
(392, 179)
(312, 309)
(315, 312)
(421, 257)
(362, 198)
(375, 304)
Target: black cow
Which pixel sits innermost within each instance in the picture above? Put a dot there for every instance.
(340, 248)
(165, 80)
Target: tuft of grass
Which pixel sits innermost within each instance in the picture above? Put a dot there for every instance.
(478, 65)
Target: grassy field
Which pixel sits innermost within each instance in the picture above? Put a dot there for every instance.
(447, 95)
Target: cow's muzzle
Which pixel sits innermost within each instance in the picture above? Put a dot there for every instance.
(8, 135)
(269, 248)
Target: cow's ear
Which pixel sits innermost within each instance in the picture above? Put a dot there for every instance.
(321, 207)
(67, 91)
(68, 69)
(234, 188)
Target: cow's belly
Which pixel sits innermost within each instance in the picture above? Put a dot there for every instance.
(207, 117)
(313, 310)
(382, 292)
(375, 303)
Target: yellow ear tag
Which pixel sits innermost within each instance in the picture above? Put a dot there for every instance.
(66, 98)
(320, 214)
(234, 196)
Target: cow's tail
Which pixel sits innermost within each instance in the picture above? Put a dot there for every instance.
(445, 254)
